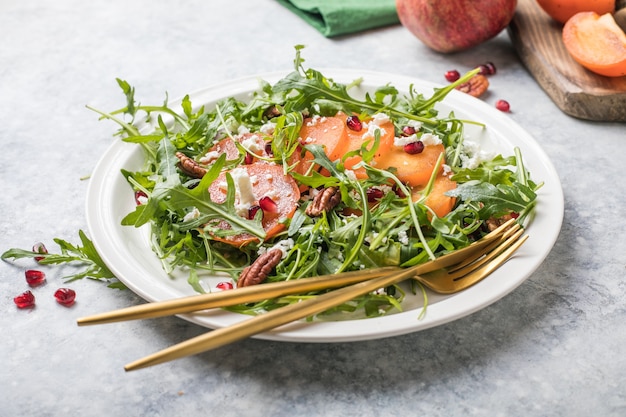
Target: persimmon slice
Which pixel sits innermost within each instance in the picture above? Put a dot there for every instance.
(437, 200)
(266, 180)
(597, 43)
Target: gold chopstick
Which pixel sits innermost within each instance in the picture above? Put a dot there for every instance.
(237, 296)
(268, 321)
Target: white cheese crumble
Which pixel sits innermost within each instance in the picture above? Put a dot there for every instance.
(209, 157)
(252, 144)
(405, 140)
(428, 139)
(242, 129)
(475, 155)
(283, 245)
(192, 215)
(243, 189)
(268, 128)
(403, 237)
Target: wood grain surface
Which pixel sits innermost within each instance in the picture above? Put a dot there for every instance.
(575, 90)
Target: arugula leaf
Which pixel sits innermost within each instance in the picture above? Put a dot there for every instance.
(85, 255)
(497, 200)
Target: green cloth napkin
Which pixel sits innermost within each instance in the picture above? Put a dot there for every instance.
(340, 17)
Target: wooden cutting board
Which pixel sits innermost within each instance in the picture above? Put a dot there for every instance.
(575, 90)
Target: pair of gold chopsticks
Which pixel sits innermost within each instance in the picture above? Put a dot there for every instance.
(354, 283)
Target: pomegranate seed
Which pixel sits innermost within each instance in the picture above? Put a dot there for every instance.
(24, 300)
(248, 159)
(268, 149)
(140, 197)
(503, 105)
(34, 277)
(374, 194)
(414, 147)
(514, 215)
(267, 204)
(398, 191)
(452, 75)
(224, 285)
(65, 296)
(408, 130)
(483, 70)
(354, 123)
(252, 212)
(491, 67)
(39, 248)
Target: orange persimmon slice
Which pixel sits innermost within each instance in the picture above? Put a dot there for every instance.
(356, 139)
(413, 169)
(266, 180)
(597, 43)
(437, 200)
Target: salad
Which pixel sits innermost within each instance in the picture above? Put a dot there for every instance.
(306, 179)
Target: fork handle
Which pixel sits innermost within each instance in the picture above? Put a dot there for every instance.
(267, 321)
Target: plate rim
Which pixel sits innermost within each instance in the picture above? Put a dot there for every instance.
(328, 331)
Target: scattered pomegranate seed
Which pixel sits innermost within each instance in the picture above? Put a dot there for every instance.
(374, 194)
(408, 130)
(224, 285)
(267, 204)
(140, 197)
(488, 68)
(34, 277)
(414, 147)
(354, 123)
(24, 300)
(452, 75)
(65, 296)
(248, 159)
(268, 149)
(39, 248)
(253, 210)
(503, 105)
(514, 215)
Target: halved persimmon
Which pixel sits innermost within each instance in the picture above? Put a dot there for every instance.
(597, 43)
(562, 10)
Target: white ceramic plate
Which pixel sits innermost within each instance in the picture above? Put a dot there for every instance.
(127, 252)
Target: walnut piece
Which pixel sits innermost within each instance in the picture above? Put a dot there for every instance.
(189, 166)
(475, 86)
(260, 268)
(326, 200)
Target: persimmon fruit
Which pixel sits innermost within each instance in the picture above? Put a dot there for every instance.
(597, 43)
(563, 10)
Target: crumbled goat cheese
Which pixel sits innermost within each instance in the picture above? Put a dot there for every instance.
(268, 128)
(209, 157)
(192, 215)
(243, 190)
(283, 245)
(403, 237)
(475, 156)
(428, 139)
(242, 129)
(405, 140)
(252, 144)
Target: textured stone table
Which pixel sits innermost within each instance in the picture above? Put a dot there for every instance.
(553, 347)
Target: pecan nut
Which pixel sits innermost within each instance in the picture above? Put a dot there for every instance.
(475, 86)
(258, 271)
(324, 201)
(190, 167)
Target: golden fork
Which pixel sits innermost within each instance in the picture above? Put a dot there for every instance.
(457, 277)
(303, 285)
